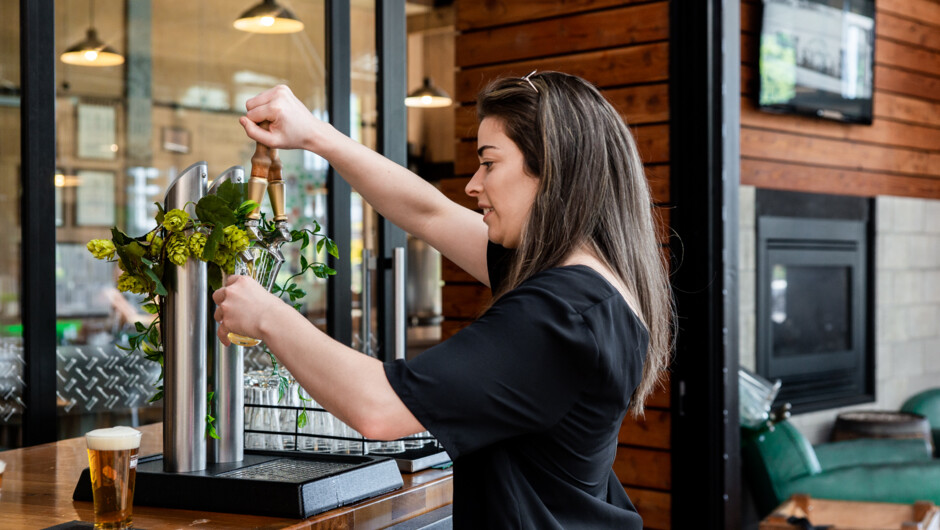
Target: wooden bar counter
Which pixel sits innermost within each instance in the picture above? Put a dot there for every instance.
(37, 487)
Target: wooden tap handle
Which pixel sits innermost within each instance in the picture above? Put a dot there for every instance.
(260, 168)
(276, 187)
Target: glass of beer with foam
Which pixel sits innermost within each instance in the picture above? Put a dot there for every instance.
(112, 462)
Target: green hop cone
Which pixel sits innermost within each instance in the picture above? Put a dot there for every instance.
(236, 238)
(101, 248)
(175, 220)
(127, 282)
(177, 250)
(197, 242)
(156, 243)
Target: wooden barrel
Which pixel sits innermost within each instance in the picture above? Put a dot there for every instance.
(881, 424)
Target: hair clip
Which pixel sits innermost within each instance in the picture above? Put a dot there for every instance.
(531, 84)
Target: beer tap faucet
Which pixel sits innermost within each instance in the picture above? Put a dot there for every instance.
(281, 233)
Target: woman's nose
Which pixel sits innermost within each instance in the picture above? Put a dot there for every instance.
(475, 186)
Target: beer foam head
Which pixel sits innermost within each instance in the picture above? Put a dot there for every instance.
(3, 466)
(113, 439)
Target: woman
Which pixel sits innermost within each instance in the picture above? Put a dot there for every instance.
(528, 399)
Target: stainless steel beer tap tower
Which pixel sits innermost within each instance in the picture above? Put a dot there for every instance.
(228, 367)
(184, 324)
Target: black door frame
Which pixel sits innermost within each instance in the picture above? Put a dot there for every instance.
(704, 101)
(37, 251)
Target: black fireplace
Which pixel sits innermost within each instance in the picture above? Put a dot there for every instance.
(814, 298)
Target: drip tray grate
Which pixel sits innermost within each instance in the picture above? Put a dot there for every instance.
(288, 470)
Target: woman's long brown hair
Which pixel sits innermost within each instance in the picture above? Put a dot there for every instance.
(592, 191)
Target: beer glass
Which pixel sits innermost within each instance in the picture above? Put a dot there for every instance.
(3, 467)
(263, 267)
(112, 462)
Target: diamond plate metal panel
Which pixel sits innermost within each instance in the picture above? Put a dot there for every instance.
(103, 378)
(12, 384)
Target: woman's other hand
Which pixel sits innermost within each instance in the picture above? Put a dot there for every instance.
(243, 307)
(290, 123)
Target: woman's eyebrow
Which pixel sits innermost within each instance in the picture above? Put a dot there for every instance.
(484, 148)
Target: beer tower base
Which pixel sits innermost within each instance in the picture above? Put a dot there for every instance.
(296, 485)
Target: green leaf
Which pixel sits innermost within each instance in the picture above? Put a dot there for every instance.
(246, 208)
(214, 273)
(151, 308)
(158, 396)
(306, 238)
(233, 193)
(320, 244)
(302, 420)
(331, 248)
(140, 327)
(159, 289)
(303, 261)
(212, 243)
(154, 335)
(160, 214)
(213, 209)
(282, 388)
(120, 238)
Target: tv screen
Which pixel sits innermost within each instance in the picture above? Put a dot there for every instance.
(816, 58)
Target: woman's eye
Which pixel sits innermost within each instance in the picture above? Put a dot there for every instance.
(487, 165)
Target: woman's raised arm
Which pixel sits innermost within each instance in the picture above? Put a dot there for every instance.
(396, 193)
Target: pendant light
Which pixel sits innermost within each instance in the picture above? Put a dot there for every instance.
(92, 51)
(269, 17)
(428, 96)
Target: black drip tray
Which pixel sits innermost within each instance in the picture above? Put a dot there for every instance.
(294, 485)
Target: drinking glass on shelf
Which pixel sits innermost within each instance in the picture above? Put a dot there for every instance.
(263, 267)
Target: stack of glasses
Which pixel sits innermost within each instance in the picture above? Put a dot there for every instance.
(271, 424)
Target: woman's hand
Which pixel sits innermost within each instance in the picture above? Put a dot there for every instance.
(242, 307)
(290, 124)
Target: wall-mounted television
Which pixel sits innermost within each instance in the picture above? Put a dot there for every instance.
(816, 58)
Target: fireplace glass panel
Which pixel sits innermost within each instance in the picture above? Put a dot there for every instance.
(810, 309)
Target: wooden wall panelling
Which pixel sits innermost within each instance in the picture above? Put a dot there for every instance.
(619, 66)
(906, 30)
(799, 177)
(474, 14)
(927, 11)
(907, 83)
(652, 430)
(885, 132)
(656, 507)
(905, 56)
(589, 31)
(643, 468)
(774, 145)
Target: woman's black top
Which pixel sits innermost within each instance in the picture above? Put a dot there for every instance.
(528, 401)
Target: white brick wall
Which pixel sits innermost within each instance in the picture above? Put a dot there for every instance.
(907, 304)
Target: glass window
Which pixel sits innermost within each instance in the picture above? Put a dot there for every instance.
(125, 132)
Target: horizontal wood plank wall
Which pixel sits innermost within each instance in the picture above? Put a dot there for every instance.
(898, 154)
(621, 46)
